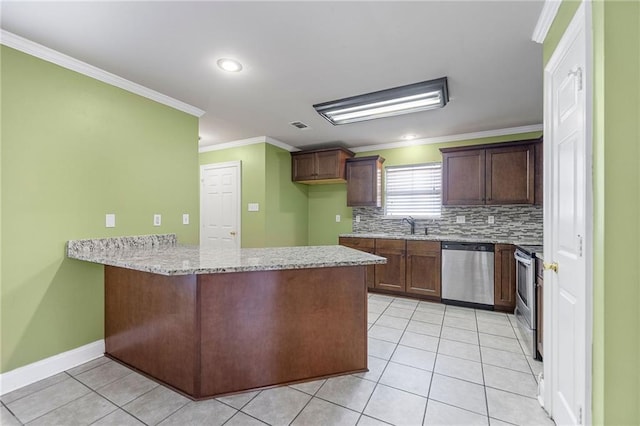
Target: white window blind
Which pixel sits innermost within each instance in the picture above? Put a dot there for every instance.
(413, 190)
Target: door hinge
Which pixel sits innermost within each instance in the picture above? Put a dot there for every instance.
(580, 245)
(579, 415)
(577, 73)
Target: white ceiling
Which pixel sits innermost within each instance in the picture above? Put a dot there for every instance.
(296, 54)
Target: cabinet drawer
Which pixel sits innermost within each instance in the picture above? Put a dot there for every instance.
(382, 244)
(354, 242)
(423, 246)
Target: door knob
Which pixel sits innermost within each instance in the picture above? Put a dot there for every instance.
(553, 266)
(232, 233)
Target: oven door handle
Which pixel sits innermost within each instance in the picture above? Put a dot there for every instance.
(522, 260)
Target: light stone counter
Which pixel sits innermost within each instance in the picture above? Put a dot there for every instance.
(160, 254)
(451, 237)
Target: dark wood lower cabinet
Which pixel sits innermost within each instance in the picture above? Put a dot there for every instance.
(213, 334)
(504, 278)
(392, 275)
(367, 245)
(423, 268)
(539, 307)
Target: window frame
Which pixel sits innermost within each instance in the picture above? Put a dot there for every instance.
(424, 192)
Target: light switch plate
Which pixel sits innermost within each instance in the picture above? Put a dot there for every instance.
(337, 218)
(110, 220)
(157, 219)
(357, 218)
(460, 219)
(185, 218)
(253, 207)
(491, 220)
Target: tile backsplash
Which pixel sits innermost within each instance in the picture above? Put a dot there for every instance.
(520, 222)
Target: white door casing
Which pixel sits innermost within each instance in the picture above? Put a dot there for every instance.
(568, 225)
(220, 205)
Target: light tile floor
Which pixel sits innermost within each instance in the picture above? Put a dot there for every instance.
(429, 364)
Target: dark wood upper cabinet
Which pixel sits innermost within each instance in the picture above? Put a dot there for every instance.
(538, 172)
(391, 276)
(463, 177)
(502, 173)
(504, 277)
(320, 166)
(509, 175)
(423, 268)
(364, 181)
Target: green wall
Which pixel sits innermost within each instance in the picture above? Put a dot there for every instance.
(73, 149)
(327, 201)
(266, 179)
(286, 207)
(616, 205)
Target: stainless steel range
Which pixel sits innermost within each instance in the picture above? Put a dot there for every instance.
(525, 295)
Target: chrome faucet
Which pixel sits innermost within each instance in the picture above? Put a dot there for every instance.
(412, 222)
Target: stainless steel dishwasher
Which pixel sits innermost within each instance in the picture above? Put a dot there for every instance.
(467, 274)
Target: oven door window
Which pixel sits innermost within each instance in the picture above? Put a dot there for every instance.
(521, 274)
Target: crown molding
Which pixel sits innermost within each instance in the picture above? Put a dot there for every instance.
(249, 141)
(547, 15)
(451, 138)
(39, 51)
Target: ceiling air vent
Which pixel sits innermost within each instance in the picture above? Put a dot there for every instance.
(299, 125)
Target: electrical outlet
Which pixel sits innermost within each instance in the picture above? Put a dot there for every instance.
(253, 207)
(491, 220)
(357, 218)
(185, 218)
(460, 219)
(337, 218)
(110, 220)
(157, 219)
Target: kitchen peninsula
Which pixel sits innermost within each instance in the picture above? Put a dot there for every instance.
(209, 322)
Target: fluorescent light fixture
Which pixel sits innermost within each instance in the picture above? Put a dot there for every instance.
(386, 103)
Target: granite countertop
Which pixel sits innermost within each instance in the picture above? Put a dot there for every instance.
(450, 237)
(166, 257)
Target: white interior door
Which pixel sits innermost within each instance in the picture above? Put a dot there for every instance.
(566, 215)
(220, 205)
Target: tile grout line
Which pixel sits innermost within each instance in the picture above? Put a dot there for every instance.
(387, 364)
(118, 407)
(484, 380)
(435, 360)
(65, 404)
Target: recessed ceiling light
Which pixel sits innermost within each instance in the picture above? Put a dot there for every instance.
(409, 137)
(229, 65)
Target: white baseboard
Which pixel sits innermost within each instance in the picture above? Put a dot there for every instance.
(23, 376)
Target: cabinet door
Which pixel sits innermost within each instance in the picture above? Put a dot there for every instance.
(539, 313)
(366, 245)
(510, 175)
(539, 307)
(504, 277)
(538, 173)
(303, 167)
(391, 276)
(463, 177)
(423, 268)
(329, 165)
(364, 182)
